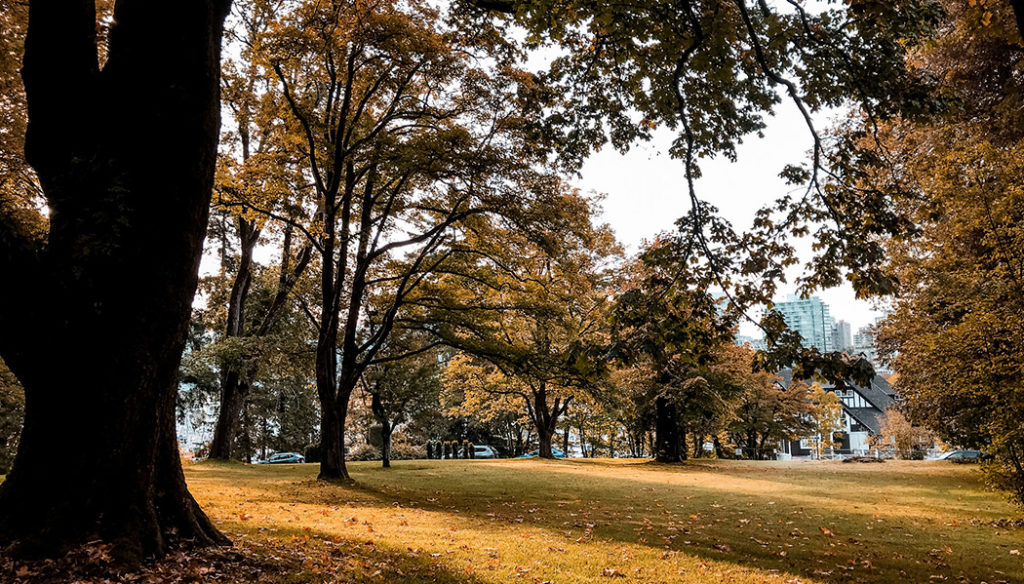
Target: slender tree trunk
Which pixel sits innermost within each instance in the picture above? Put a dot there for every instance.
(115, 278)
(762, 453)
(232, 390)
(232, 400)
(583, 438)
(385, 444)
(565, 440)
(235, 377)
(386, 427)
(246, 428)
(666, 431)
(719, 452)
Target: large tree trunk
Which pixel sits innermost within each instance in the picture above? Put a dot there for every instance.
(666, 431)
(332, 445)
(126, 162)
(544, 443)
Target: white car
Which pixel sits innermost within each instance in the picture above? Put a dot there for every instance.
(484, 451)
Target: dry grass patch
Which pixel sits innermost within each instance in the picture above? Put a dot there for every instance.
(601, 520)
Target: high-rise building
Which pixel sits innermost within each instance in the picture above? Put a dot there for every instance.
(756, 344)
(841, 339)
(810, 318)
(864, 344)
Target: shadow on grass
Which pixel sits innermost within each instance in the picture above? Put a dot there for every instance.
(308, 556)
(814, 536)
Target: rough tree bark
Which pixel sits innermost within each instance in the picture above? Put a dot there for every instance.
(125, 154)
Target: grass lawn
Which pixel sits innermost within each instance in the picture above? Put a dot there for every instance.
(617, 520)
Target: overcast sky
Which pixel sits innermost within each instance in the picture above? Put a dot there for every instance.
(645, 193)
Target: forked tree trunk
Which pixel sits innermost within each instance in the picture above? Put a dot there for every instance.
(545, 417)
(126, 163)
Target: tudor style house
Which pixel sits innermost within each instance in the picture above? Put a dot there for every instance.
(863, 412)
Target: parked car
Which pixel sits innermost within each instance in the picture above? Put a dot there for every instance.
(963, 455)
(557, 452)
(484, 451)
(284, 458)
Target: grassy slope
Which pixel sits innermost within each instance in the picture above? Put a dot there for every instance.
(592, 521)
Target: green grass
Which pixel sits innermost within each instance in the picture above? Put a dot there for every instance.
(601, 520)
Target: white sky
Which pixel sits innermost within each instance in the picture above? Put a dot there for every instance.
(645, 194)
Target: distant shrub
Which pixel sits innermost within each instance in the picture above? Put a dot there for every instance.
(407, 451)
(364, 452)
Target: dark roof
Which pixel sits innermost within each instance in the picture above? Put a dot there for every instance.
(878, 393)
(869, 417)
(786, 377)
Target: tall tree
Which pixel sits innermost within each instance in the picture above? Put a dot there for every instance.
(257, 171)
(765, 413)
(955, 334)
(666, 320)
(712, 71)
(115, 275)
(270, 359)
(531, 310)
(407, 137)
